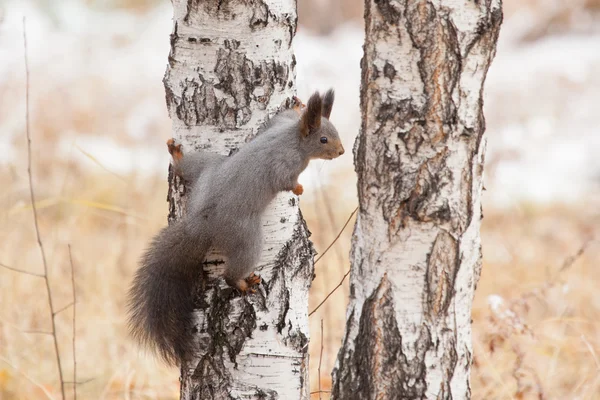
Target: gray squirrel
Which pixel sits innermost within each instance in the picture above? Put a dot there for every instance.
(227, 198)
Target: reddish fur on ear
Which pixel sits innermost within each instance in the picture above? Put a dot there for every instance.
(328, 98)
(311, 119)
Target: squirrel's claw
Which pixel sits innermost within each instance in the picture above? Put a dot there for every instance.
(247, 285)
(297, 105)
(253, 280)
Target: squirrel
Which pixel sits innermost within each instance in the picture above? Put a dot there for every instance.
(227, 198)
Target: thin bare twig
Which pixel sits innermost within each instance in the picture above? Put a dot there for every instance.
(74, 324)
(555, 278)
(331, 216)
(330, 293)
(320, 359)
(35, 217)
(320, 391)
(63, 308)
(325, 252)
(338, 235)
(569, 261)
(21, 271)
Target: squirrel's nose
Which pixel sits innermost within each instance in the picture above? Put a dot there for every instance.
(341, 151)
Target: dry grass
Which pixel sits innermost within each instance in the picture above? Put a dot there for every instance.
(553, 352)
(546, 347)
(539, 338)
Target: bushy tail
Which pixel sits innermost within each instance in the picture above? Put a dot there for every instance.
(161, 296)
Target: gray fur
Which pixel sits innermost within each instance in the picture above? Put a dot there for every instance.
(190, 167)
(227, 199)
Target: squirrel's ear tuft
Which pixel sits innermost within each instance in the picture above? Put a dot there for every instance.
(328, 103)
(311, 119)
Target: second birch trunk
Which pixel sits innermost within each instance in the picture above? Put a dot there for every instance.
(416, 255)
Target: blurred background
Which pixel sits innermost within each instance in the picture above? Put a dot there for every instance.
(99, 124)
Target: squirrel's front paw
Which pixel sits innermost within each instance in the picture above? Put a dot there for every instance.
(174, 150)
(247, 285)
(297, 105)
(298, 189)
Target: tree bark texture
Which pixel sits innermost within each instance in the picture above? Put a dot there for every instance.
(416, 254)
(231, 67)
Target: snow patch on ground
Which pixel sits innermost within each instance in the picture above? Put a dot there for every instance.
(540, 99)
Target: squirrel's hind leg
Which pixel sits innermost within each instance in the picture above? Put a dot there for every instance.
(190, 166)
(242, 257)
(248, 284)
(174, 150)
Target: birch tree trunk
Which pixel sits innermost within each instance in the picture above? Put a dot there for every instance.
(231, 67)
(416, 255)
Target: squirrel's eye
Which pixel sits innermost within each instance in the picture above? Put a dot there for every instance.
(323, 139)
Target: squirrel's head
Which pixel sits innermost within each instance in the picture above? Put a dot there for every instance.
(319, 137)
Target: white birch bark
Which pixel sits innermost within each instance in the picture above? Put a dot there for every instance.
(231, 67)
(416, 255)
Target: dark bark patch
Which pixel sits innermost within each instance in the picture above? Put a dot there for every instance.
(399, 112)
(265, 394)
(298, 251)
(283, 313)
(298, 248)
(175, 196)
(425, 200)
(260, 15)
(208, 371)
(378, 356)
(198, 104)
(233, 70)
(389, 71)
(238, 79)
(448, 363)
(173, 38)
(427, 185)
(221, 334)
(374, 72)
(435, 37)
(296, 339)
(442, 266)
(224, 10)
(227, 330)
(389, 10)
